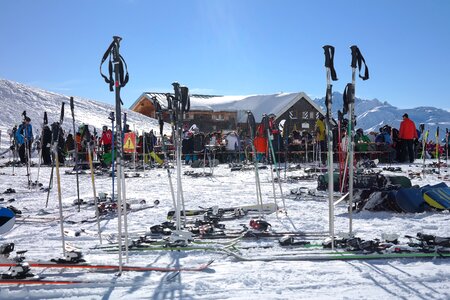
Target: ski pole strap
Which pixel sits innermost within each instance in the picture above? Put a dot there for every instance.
(55, 132)
(265, 122)
(357, 61)
(348, 97)
(124, 123)
(340, 116)
(329, 60)
(185, 99)
(251, 124)
(61, 116)
(158, 110)
(169, 101)
(111, 116)
(111, 53)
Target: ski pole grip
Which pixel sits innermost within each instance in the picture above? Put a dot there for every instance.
(355, 52)
(176, 89)
(117, 39)
(329, 50)
(71, 104)
(62, 113)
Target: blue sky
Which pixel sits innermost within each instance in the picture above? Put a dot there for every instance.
(234, 47)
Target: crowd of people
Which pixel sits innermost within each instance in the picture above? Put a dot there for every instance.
(399, 145)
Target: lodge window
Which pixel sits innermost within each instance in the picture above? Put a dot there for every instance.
(220, 117)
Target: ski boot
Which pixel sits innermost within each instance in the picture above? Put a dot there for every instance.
(19, 271)
(6, 249)
(72, 257)
(179, 239)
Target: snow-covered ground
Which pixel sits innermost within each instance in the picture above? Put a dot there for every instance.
(226, 278)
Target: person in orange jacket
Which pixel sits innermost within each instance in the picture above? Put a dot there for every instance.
(260, 143)
(408, 134)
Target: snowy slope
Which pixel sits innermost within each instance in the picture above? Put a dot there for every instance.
(373, 114)
(16, 97)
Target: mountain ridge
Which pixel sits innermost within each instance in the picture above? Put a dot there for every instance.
(373, 114)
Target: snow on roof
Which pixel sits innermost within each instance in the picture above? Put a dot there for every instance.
(258, 104)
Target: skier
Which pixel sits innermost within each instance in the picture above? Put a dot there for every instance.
(24, 138)
(408, 134)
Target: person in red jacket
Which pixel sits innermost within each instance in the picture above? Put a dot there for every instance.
(408, 134)
(106, 139)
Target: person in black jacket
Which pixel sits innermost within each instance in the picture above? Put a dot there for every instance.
(46, 145)
(187, 148)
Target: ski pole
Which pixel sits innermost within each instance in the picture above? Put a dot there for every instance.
(446, 145)
(117, 66)
(94, 191)
(55, 138)
(41, 147)
(357, 60)
(163, 142)
(330, 74)
(252, 127)
(76, 153)
(265, 122)
(438, 156)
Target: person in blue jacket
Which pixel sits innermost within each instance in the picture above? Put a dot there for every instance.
(24, 139)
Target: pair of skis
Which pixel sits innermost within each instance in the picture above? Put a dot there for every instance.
(92, 267)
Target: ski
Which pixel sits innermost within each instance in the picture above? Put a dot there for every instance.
(170, 248)
(39, 282)
(267, 208)
(340, 256)
(105, 267)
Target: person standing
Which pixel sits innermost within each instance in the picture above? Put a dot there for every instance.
(320, 137)
(24, 138)
(106, 139)
(408, 134)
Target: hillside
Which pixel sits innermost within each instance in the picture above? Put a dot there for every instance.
(16, 97)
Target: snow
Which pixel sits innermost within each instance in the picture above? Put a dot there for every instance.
(226, 278)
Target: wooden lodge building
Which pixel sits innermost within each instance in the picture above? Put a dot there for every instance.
(227, 113)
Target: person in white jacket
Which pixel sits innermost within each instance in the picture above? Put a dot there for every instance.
(232, 145)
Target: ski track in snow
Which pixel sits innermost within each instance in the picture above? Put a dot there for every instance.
(226, 278)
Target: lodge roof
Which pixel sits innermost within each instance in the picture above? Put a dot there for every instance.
(258, 104)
